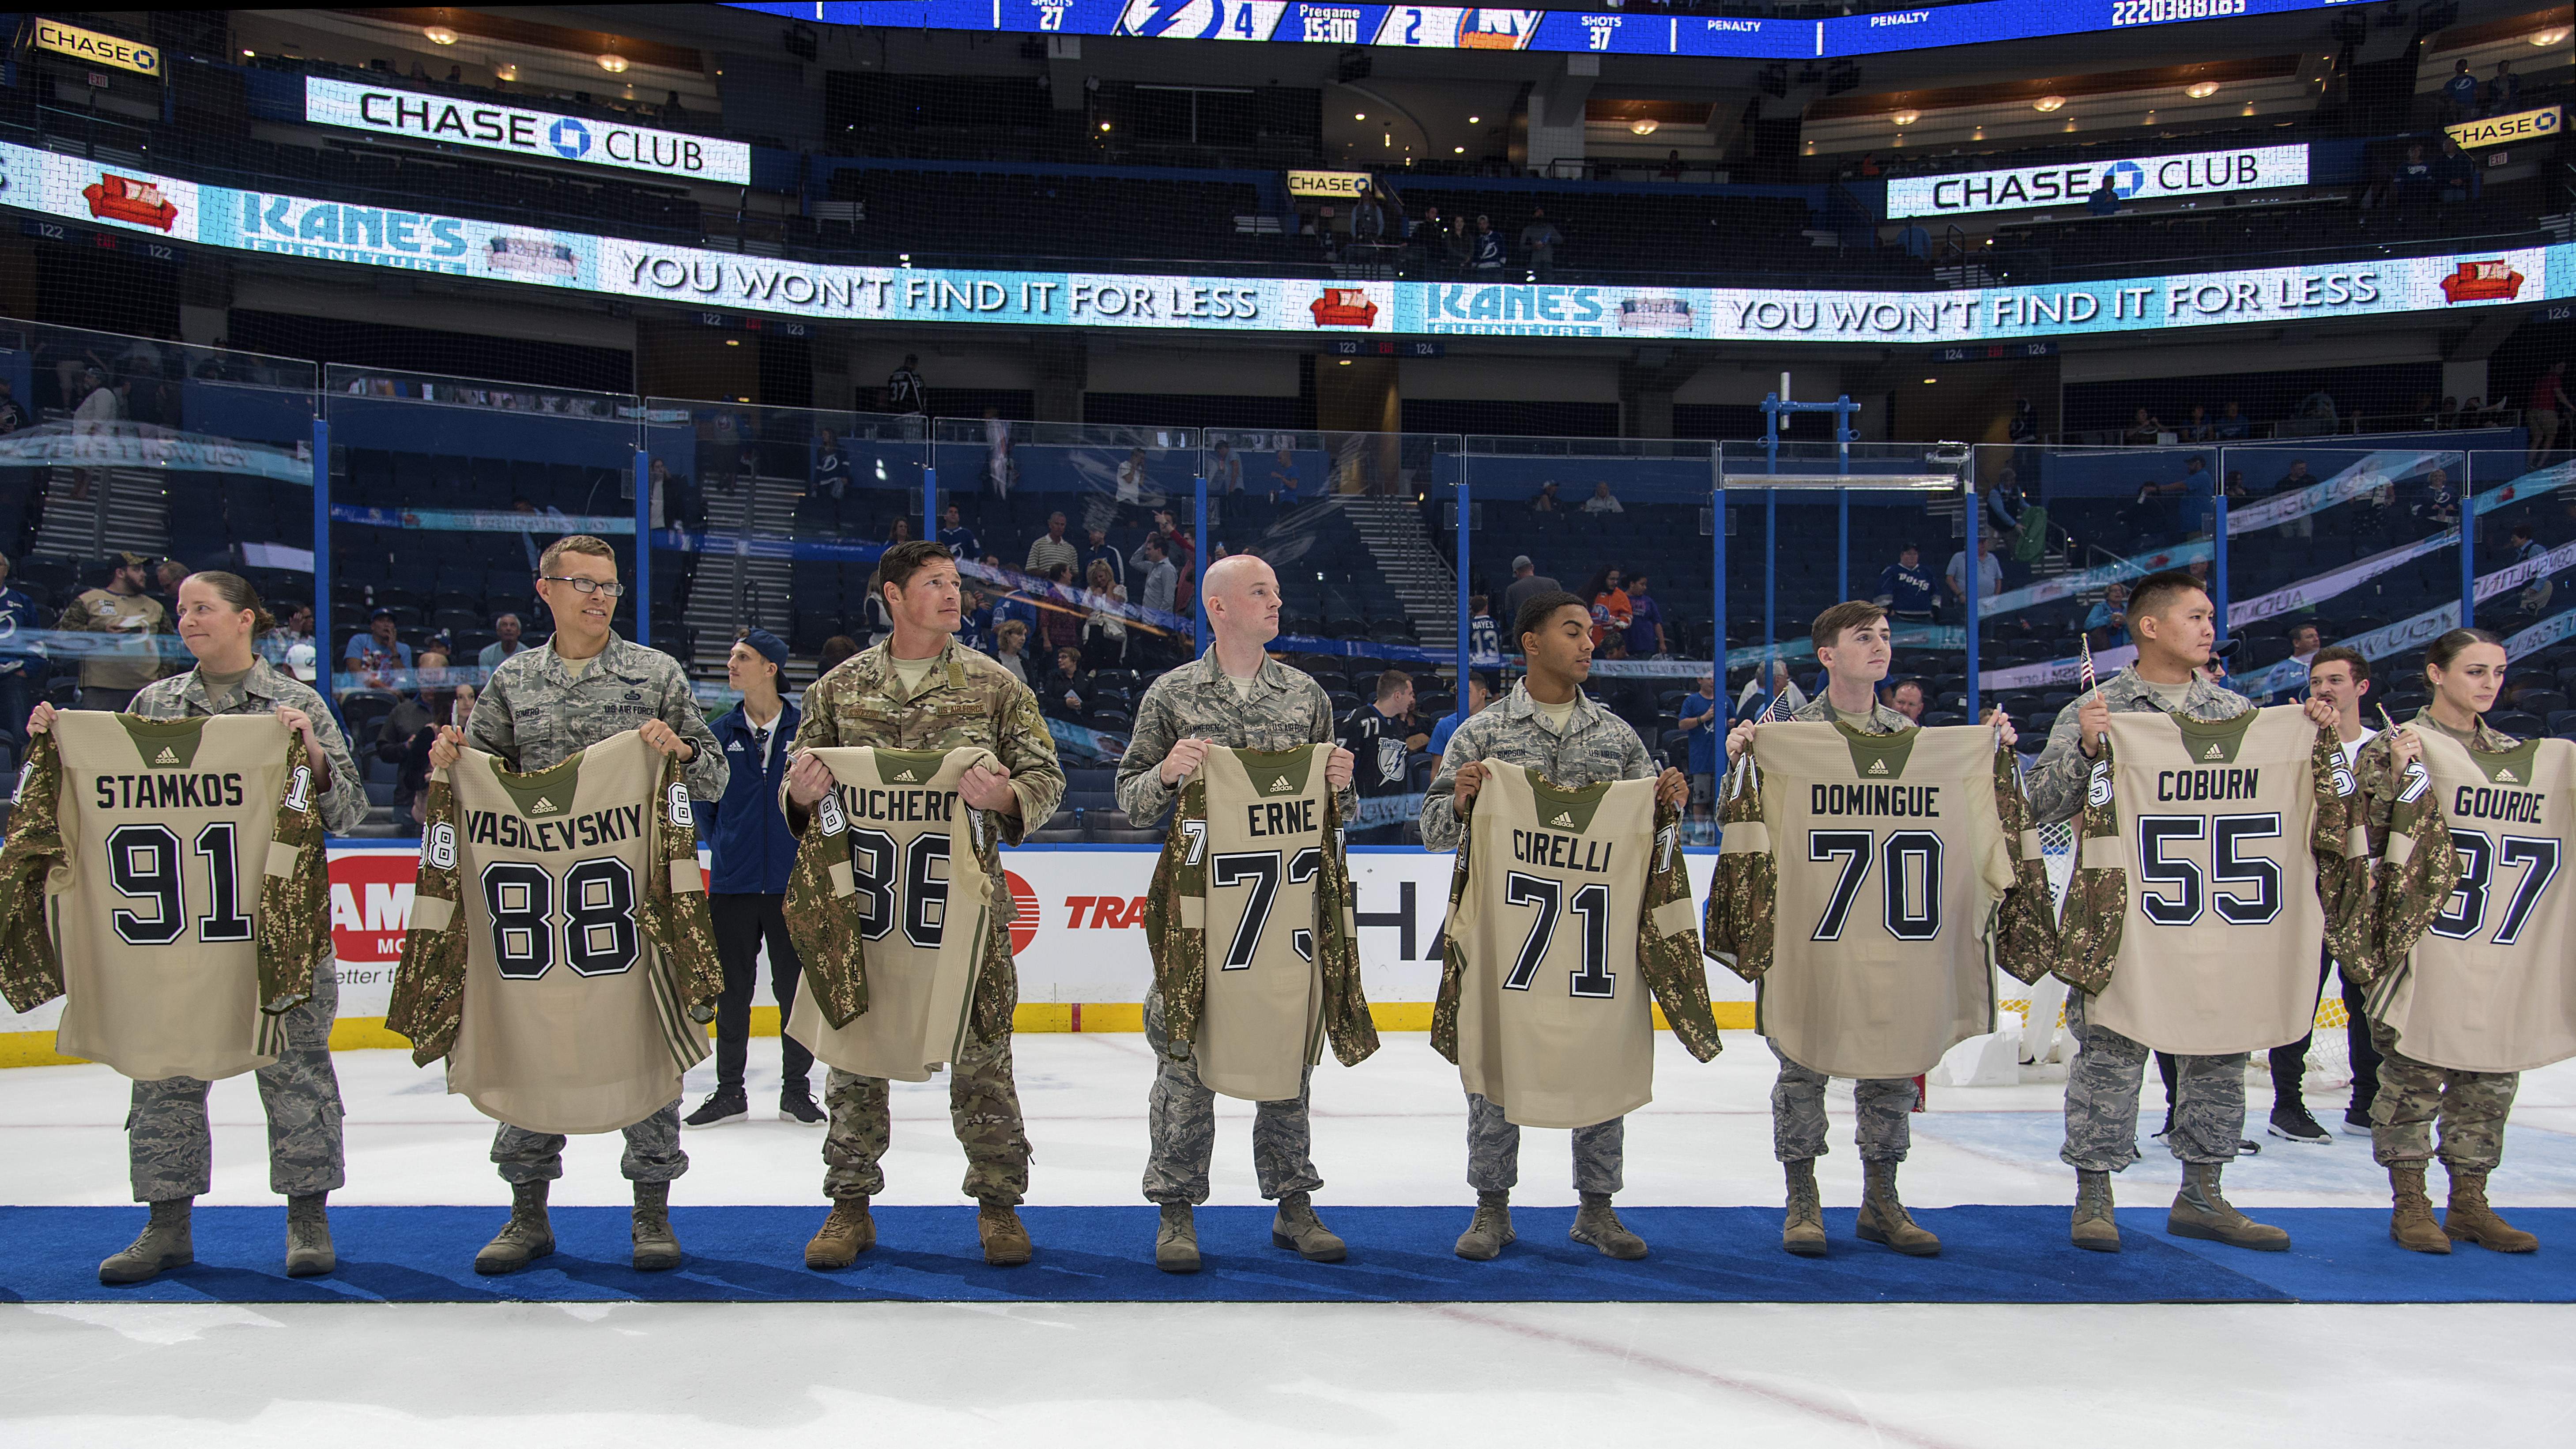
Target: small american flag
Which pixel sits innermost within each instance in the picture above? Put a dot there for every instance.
(1779, 709)
(2084, 675)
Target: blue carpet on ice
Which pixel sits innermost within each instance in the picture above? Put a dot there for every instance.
(1104, 1254)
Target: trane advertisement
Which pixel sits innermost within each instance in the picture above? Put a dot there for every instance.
(102, 194)
(541, 135)
(2144, 178)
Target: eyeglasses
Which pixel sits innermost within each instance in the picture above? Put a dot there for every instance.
(611, 587)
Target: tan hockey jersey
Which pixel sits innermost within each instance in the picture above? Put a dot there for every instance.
(1249, 920)
(891, 900)
(560, 955)
(2227, 848)
(2490, 986)
(164, 847)
(1889, 858)
(1568, 908)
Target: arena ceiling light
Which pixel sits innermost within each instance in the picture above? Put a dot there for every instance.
(439, 35)
(1906, 118)
(2554, 36)
(1475, 120)
(1642, 126)
(508, 72)
(2201, 90)
(613, 63)
(2048, 103)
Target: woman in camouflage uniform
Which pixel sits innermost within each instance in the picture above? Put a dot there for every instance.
(168, 1143)
(2465, 669)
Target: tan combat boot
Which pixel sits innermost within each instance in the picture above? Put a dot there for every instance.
(1803, 1231)
(1006, 1243)
(2470, 1219)
(1597, 1224)
(164, 1243)
(2094, 1229)
(526, 1237)
(1176, 1239)
(657, 1248)
(308, 1237)
(2200, 1210)
(1883, 1219)
(1296, 1226)
(1491, 1231)
(847, 1233)
(2411, 1223)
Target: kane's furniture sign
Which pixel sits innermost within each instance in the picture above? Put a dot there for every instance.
(2145, 178)
(538, 135)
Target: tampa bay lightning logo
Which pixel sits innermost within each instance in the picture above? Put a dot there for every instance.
(2127, 178)
(570, 138)
(1179, 19)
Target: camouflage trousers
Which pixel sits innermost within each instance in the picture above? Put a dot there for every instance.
(1494, 1151)
(1885, 1106)
(983, 1103)
(652, 1151)
(2102, 1100)
(1180, 1126)
(170, 1149)
(2413, 1096)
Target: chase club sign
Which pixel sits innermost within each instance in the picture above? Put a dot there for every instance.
(537, 135)
(2200, 173)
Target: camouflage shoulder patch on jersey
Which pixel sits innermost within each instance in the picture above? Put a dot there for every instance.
(821, 911)
(2025, 934)
(30, 973)
(1453, 966)
(294, 915)
(1179, 950)
(1347, 1022)
(2097, 898)
(1738, 924)
(674, 913)
(2419, 867)
(2339, 843)
(1668, 948)
(428, 1002)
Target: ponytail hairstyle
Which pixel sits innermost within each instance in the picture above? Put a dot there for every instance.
(237, 594)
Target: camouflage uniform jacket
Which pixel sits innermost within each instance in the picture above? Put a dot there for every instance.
(428, 1002)
(265, 691)
(2414, 864)
(1180, 950)
(1197, 702)
(291, 926)
(965, 699)
(1879, 721)
(1596, 746)
(2057, 779)
(535, 713)
(1739, 924)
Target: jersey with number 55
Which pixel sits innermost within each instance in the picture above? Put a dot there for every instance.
(560, 955)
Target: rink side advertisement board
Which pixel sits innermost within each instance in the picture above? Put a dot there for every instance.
(1079, 940)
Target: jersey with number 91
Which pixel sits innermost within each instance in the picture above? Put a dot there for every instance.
(2491, 984)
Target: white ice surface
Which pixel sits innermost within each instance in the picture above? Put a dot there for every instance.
(1268, 1374)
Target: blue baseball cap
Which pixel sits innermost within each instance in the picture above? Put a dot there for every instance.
(768, 646)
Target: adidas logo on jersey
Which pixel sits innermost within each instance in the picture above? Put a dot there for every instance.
(2506, 777)
(1563, 819)
(543, 805)
(907, 778)
(1281, 786)
(165, 757)
(2214, 753)
(1878, 767)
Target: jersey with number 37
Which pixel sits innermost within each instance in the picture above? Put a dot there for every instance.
(560, 950)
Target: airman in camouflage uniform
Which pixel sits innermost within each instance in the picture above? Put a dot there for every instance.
(964, 699)
(2471, 1107)
(1595, 746)
(1281, 710)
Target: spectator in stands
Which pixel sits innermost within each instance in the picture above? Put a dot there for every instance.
(2004, 505)
(2106, 624)
(1645, 621)
(1096, 548)
(101, 406)
(836, 651)
(1487, 256)
(1060, 615)
(1182, 547)
(272, 646)
(1368, 221)
(1905, 590)
(1538, 243)
(2540, 413)
(1010, 645)
(1990, 574)
(2197, 487)
(906, 393)
(876, 621)
(2022, 430)
(12, 416)
(1610, 611)
(1224, 472)
(1673, 166)
(1382, 737)
(2441, 505)
(999, 467)
(2231, 424)
(1104, 625)
(1914, 241)
(1159, 581)
(506, 629)
(1484, 638)
(1283, 477)
(537, 535)
(1698, 724)
(1480, 692)
(2455, 176)
(831, 477)
(1754, 701)
(2105, 200)
(1427, 238)
(1907, 697)
(411, 780)
(1601, 501)
(2413, 184)
(2527, 550)
(1629, 698)
(962, 544)
(900, 530)
(1131, 477)
(975, 621)
(2145, 430)
(377, 656)
(2320, 405)
(1526, 581)
(1545, 500)
(1065, 694)
(2505, 91)
(1461, 246)
(423, 707)
(2460, 93)
(2198, 428)
(1054, 550)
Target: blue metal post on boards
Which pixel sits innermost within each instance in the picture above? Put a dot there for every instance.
(322, 655)
(2468, 495)
(643, 546)
(1466, 656)
(2218, 556)
(1776, 406)
(1198, 604)
(1972, 575)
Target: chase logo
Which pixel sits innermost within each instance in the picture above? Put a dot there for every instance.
(1177, 19)
(571, 139)
(2127, 178)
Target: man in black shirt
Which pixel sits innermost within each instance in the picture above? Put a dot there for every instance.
(905, 391)
(1383, 738)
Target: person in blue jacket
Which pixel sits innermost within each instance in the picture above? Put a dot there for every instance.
(752, 850)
